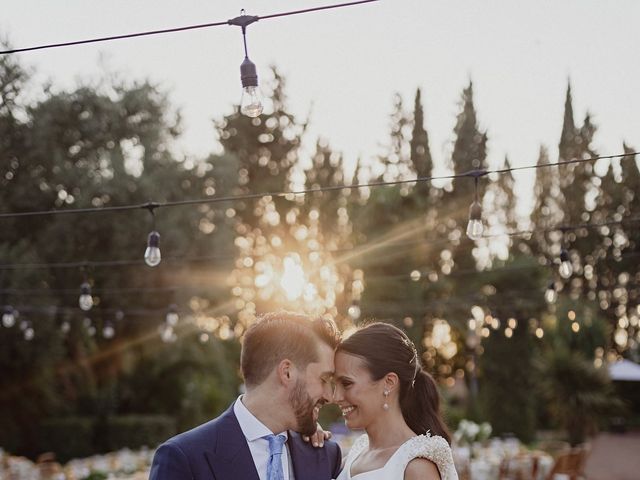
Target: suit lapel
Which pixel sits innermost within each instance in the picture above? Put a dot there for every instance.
(309, 463)
(231, 457)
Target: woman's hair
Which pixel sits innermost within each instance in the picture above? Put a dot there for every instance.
(385, 349)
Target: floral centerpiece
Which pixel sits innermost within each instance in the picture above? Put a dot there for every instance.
(469, 432)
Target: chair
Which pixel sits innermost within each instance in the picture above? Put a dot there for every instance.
(569, 464)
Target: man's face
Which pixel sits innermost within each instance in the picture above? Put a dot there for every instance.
(312, 390)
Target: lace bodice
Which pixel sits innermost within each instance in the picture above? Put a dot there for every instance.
(433, 448)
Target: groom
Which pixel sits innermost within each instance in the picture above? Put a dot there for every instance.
(287, 364)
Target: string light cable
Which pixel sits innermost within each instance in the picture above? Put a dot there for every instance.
(221, 257)
(563, 228)
(216, 258)
(417, 275)
(85, 287)
(104, 291)
(117, 312)
(234, 22)
(114, 263)
(474, 174)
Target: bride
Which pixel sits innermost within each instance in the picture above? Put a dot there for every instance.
(382, 388)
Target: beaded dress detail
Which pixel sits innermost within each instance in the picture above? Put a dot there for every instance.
(433, 448)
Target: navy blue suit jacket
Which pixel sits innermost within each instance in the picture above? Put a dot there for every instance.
(218, 450)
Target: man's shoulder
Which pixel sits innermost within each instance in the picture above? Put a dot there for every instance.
(328, 455)
(329, 445)
(203, 435)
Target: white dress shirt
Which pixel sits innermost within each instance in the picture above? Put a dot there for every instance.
(254, 431)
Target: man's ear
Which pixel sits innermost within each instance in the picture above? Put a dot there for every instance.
(286, 372)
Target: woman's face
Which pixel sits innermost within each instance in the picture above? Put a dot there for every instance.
(359, 397)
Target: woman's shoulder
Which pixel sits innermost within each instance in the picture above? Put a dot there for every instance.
(431, 447)
(359, 445)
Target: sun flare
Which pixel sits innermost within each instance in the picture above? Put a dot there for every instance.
(293, 280)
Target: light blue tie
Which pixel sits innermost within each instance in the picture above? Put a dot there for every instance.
(274, 467)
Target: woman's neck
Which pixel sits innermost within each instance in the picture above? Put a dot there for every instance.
(388, 430)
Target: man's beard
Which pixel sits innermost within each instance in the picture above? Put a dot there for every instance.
(303, 408)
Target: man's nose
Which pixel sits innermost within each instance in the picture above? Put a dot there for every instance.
(337, 394)
(327, 393)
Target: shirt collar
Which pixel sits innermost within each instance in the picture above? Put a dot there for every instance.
(251, 427)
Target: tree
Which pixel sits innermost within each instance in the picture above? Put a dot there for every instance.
(470, 146)
(580, 396)
(89, 147)
(499, 213)
(420, 154)
(266, 148)
(547, 211)
(396, 162)
(575, 178)
(469, 153)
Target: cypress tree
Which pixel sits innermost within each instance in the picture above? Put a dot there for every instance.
(420, 153)
(470, 147)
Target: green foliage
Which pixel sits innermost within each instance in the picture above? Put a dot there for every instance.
(507, 382)
(420, 153)
(103, 146)
(191, 382)
(266, 149)
(135, 431)
(96, 476)
(470, 147)
(108, 145)
(68, 437)
(77, 437)
(592, 331)
(580, 397)
(507, 373)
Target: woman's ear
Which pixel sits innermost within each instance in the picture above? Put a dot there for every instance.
(391, 382)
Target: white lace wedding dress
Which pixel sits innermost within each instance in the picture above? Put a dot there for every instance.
(434, 448)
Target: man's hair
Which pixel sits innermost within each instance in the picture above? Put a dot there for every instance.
(276, 336)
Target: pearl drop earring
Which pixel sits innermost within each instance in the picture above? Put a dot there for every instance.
(385, 406)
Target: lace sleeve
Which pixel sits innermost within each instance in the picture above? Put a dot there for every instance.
(435, 449)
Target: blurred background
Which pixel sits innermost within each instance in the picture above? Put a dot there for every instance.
(531, 328)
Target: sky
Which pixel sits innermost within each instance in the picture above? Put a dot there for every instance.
(343, 66)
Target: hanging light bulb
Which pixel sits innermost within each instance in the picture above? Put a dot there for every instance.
(251, 102)
(65, 327)
(172, 316)
(9, 316)
(475, 226)
(167, 334)
(152, 255)
(566, 269)
(354, 310)
(29, 333)
(108, 331)
(551, 294)
(85, 301)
